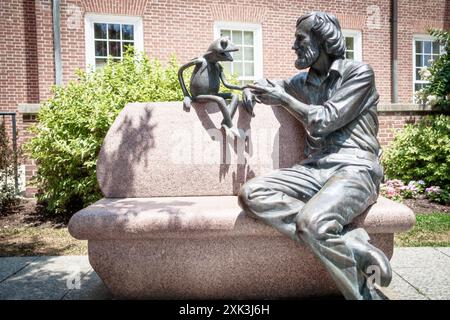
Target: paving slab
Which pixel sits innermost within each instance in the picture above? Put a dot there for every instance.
(45, 278)
(445, 250)
(412, 257)
(418, 274)
(433, 283)
(91, 287)
(11, 265)
(399, 289)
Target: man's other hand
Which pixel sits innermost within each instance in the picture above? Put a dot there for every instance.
(270, 93)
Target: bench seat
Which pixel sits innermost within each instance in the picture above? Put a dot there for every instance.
(207, 248)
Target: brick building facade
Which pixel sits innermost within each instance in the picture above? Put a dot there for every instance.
(186, 29)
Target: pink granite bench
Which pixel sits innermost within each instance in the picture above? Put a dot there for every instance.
(170, 227)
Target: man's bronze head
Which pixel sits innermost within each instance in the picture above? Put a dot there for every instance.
(317, 31)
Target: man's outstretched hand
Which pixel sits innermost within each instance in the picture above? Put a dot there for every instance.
(270, 93)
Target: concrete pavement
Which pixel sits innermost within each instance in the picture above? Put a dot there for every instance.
(419, 274)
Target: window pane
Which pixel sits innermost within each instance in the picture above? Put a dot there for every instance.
(418, 86)
(349, 55)
(237, 55)
(114, 49)
(226, 67)
(100, 30)
(237, 68)
(237, 37)
(100, 62)
(114, 31)
(436, 49)
(248, 54)
(426, 60)
(125, 46)
(349, 43)
(248, 38)
(249, 70)
(225, 33)
(427, 46)
(419, 61)
(417, 74)
(127, 32)
(100, 48)
(418, 46)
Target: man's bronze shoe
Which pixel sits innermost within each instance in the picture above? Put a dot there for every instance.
(370, 259)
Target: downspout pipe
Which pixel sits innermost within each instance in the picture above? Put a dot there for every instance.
(56, 12)
(394, 51)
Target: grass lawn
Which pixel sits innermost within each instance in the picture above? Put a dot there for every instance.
(431, 230)
(39, 240)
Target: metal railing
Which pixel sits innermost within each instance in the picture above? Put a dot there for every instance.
(3, 116)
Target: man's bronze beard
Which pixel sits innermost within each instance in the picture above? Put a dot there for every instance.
(310, 55)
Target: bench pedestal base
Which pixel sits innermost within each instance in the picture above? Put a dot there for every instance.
(207, 248)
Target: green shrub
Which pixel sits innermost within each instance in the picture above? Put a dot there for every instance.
(73, 123)
(421, 152)
(436, 194)
(8, 158)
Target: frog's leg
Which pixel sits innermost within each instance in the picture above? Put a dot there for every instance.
(222, 106)
(227, 112)
(232, 107)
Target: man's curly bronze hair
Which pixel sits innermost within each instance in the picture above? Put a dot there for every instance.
(327, 29)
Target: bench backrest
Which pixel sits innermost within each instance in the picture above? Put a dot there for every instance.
(157, 149)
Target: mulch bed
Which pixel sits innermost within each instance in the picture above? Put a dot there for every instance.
(25, 231)
(424, 206)
(28, 213)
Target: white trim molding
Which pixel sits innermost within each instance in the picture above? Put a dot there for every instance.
(91, 18)
(257, 42)
(420, 37)
(357, 42)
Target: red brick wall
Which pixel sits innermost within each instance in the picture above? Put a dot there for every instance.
(18, 56)
(186, 29)
(391, 122)
(44, 37)
(19, 67)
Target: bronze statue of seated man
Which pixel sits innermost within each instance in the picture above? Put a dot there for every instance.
(315, 200)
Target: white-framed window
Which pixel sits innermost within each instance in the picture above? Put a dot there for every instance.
(247, 61)
(425, 50)
(353, 44)
(107, 35)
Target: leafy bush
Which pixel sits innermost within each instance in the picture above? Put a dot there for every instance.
(437, 92)
(436, 194)
(73, 123)
(8, 157)
(421, 152)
